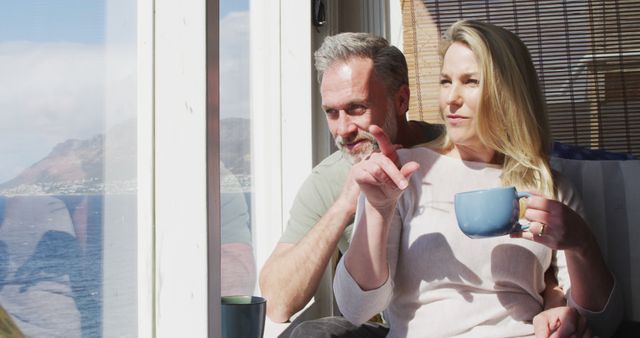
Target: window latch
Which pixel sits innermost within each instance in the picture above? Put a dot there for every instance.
(319, 15)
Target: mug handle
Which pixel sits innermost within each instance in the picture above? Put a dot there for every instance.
(522, 194)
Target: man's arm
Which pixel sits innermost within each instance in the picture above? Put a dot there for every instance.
(291, 275)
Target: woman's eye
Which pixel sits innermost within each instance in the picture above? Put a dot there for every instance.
(473, 82)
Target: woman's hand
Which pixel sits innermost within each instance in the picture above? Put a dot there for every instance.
(555, 225)
(379, 175)
(560, 322)
(560, 228)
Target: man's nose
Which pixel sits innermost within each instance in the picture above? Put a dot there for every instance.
(346, 126)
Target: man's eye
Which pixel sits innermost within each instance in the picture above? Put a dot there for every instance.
(357, 110)
(445, 82)
(331, 112)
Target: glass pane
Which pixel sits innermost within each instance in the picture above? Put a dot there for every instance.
(238, 263)
(68, 169)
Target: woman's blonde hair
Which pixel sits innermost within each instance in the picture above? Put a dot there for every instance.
(511, 116)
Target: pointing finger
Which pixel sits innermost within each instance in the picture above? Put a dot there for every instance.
(386, 147)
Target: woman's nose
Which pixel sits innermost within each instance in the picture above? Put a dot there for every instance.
(454, 97)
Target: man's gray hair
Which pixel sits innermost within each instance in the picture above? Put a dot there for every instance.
(389, 64)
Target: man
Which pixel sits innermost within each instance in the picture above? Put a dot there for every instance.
(363, 81)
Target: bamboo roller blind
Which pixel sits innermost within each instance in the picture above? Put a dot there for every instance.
(587, 54)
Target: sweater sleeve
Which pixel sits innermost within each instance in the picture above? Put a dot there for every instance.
(357, 305)
(603, 323)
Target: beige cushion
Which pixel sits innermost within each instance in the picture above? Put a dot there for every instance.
(611, 194)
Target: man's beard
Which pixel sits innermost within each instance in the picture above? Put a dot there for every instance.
(368, 143)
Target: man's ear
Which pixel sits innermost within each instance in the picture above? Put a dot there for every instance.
(402, 99)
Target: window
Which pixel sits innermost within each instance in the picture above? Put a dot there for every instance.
(585, 52)
(106, 109)
(68, 178)
(238, 264)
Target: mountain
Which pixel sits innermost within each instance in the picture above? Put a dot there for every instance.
(71, 162)
(77, 166)
(235, 145)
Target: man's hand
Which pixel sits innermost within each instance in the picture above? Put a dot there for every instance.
(560, 322)
(348, 198)
(380, 176)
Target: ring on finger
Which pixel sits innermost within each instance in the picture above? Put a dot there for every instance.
(542, 229)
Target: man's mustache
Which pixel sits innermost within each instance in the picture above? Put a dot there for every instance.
(361, 136)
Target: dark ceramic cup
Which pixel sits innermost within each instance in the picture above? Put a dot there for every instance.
(243, 316)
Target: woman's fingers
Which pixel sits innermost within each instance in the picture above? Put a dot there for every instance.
(541, 203)
(538, 229)
(537, 232)
(545, 221)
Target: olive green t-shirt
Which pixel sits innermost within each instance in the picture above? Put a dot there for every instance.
(323, 186)
(318, 192)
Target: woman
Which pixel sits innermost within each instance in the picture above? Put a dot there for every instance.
(408, 256)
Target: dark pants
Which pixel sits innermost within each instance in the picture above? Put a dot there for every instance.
(335, 327)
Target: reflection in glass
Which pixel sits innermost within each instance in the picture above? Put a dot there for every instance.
(238, 263)
(68, 177)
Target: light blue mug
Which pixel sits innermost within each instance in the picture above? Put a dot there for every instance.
(489, 212)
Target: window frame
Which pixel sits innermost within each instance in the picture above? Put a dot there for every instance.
(177, 98)
(145, 168)
(179, 258)
(281, 119)
(280, 114)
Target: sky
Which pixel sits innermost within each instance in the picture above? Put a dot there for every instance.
(46, 21)
(68, 71)
(228, 6)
